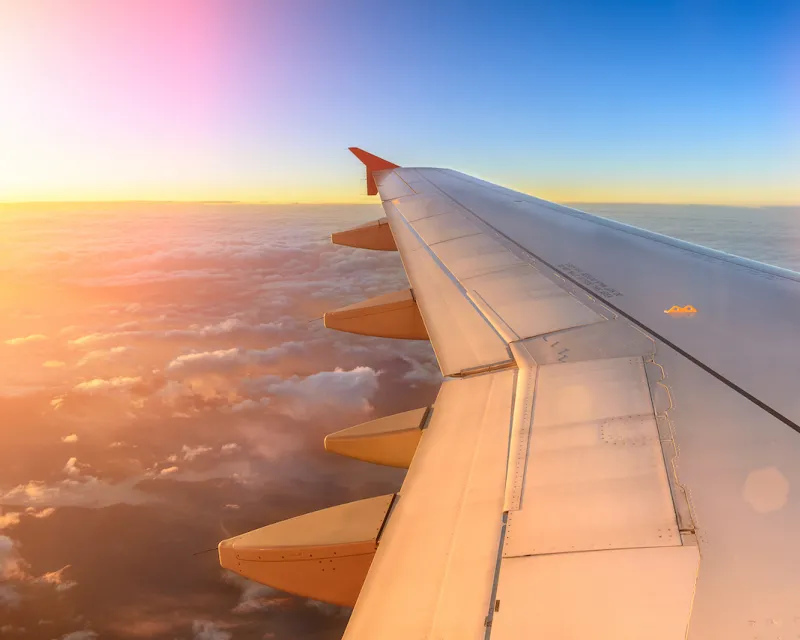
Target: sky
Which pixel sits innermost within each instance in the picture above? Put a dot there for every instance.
(693, 101)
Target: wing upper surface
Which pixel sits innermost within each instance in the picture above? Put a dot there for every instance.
(603, 468)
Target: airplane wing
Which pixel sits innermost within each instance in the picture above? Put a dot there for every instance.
(614, 452)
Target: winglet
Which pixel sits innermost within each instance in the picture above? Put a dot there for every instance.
(372, 163)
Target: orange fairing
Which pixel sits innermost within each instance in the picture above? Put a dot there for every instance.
(375, 235)
(391, 440)
(323, 555)
(372, 163)
(392, 315)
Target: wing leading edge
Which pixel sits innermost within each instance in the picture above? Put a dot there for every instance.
(593, 466)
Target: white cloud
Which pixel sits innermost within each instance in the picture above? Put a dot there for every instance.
(102, 384)
(254, 596)
(72, 437)
(168, 471)
(9, 597)
(230, 447)
(12, 566)
(35, 337)
(425, 372)
(83, 634)
(57, 579)
(10, 628)
(152, 276)
(69, 329)
(71, 468)
(10, 519)
(103, 354)
(326, 391)
(229, 359)
(86, 491)
(190, 453)
(327, 608)
(248, 405)
(207, 630)
(44, 513)
(53, 364)
(232, 507)
(228, 327)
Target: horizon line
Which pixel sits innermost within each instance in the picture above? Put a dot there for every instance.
(750, 205)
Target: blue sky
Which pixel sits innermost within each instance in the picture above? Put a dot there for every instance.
(612, 101)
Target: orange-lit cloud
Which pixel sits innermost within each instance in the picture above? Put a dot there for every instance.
(35, 337)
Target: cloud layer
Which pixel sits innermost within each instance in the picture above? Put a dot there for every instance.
(167, 387)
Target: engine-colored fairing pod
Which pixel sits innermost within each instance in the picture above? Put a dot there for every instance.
(391, 441)
(392, 315)
(324, 555)
(376, 235)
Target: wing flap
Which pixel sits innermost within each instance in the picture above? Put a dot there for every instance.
(626, 594)
(595, 475)
(433, 573)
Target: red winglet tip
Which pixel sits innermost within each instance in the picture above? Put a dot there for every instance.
(372, 163)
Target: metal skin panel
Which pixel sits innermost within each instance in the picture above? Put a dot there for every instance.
(476, 255)
(582, 391)
(529, 303)
(598, 341)
(461, 337)
(445, 227)
(392, 315)
(375, 235)
(323, 555)
(433, 573)
(392, 185)
(424, 206)
(595, 475)
(628, 594)
(390, 441)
